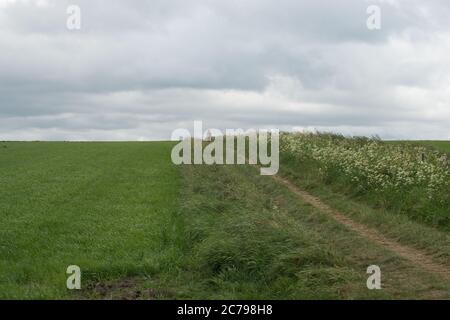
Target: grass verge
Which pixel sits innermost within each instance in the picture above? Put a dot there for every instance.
(247, 237)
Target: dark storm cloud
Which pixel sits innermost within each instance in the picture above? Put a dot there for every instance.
(138, 70)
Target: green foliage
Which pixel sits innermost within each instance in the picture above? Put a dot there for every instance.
(244, 245)
(140, 227)
(106, 207)
(406, 178)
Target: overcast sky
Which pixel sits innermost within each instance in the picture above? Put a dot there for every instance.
(137, 70)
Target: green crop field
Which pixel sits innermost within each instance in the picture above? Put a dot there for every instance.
(442, 145)
(103, 206)
(140, 227)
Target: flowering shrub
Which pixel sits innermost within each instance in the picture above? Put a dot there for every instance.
(371, 164)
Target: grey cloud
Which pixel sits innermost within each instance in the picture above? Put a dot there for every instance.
(144, 68)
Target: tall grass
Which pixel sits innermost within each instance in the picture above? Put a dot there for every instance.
(404, 178)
